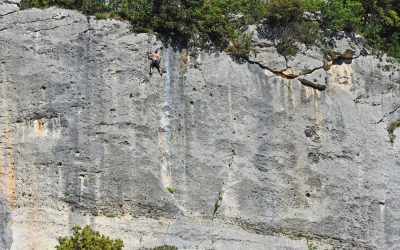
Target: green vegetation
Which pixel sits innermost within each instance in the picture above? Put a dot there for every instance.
(377, 21)
(88, 239)
(216, 207)
(221, 24)
(170, 189)
(391, 128)
(100, 15)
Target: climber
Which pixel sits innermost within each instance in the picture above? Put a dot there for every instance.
(155, 58)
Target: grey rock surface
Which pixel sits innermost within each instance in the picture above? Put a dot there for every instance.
(7, 8)
(5, 224)
(255, 161)
(268, 57)
(316, 79)
(306, 61)
(345, 46)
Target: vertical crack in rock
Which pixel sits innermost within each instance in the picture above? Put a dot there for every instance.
(81, 179)
(221, 193)
(89, 179)
(78, 177)
(165, 127)
(185, 143)
(387, 114)
(164, 139)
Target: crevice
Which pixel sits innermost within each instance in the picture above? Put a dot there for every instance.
(12, 25)
(264, 67)
(386, 115)
(291, 77)
(336, 61)
(34, 21)
(9, 2)
(217, 204)
(56, 27)
(232, 152)
(283, 75)
(9, 13)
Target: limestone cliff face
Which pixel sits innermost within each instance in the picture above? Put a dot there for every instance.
(254, 160)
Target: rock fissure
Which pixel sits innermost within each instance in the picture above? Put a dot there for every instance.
(229, 165)
(13, 24)
(308, 83)
(10, 11)
(57, 27)
(387, 114)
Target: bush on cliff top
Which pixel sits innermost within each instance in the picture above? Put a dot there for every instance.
(217, 23)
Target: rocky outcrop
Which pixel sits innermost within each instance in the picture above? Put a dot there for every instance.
(317, 79)
(254, 159)
(345, 46)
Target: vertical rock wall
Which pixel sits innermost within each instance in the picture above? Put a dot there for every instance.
(214, 154)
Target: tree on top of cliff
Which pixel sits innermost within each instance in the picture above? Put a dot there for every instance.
(220, 24)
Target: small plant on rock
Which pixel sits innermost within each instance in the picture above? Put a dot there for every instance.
(391, 128)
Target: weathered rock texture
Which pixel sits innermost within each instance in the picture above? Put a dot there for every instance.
(255, 161)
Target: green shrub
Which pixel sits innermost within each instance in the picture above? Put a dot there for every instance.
(240, 46)
(313, 6)
(391, 128)
(25, 4)
(88, 239)
(393, 46)
(342, 15)
(100, 15)
(311, 33)
(284, 12)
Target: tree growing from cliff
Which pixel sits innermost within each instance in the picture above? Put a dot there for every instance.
(88, 239)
